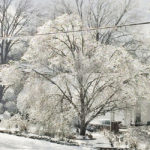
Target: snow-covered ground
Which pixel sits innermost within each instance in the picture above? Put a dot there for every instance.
(99, 141)
(11, 142)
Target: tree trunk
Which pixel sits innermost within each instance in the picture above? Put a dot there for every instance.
(82, 129)
(1, 92)
(83, 107)
(5, 48)
(82, 120)
(2, 51)
(82, 124)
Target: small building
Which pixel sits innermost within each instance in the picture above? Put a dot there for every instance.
(139, 114)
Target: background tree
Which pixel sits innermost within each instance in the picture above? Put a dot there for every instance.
(14, 16)
(109, 13)
(101, 13)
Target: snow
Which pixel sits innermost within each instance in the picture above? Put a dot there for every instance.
(100, 140)
(11, 142)
(98, 121)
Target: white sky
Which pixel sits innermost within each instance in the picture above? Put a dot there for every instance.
(144, 12)
(143, 6)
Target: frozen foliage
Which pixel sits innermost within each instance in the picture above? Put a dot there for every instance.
(44, 108)
(14, 123)
(139, 137)
(11, 75)
(6, 115)
(9, 94)
(12, 79)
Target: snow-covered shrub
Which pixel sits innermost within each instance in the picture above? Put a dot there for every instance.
(45, 110)
(15, 123)
(11, 75)
(139, 137)
(6, 115)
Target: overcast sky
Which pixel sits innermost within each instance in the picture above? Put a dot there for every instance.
(144, 11)
(143, 6)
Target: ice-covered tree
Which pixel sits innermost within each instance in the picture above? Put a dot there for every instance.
(93, 78)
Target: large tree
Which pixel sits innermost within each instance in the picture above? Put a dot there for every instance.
(93, 78)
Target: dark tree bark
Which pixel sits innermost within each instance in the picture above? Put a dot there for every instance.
(82, 117)
(1, 92)
(82, 129)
